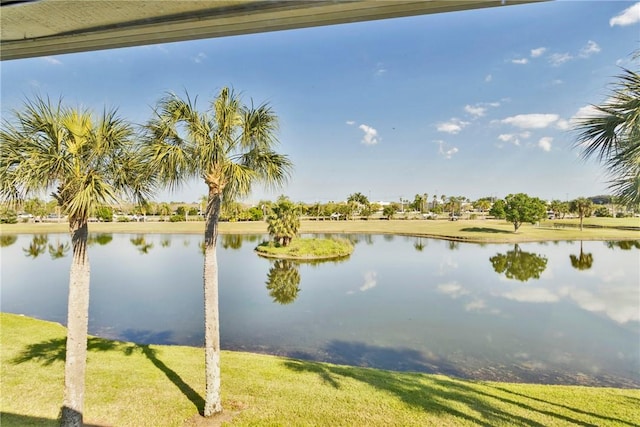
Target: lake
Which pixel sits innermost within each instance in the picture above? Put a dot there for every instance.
(556, 313)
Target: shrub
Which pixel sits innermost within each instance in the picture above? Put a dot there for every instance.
(8, 216)
(177, 218)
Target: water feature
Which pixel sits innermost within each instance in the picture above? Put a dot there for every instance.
(561, 312)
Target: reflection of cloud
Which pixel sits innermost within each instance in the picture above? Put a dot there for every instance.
(619, 303)
(370, 281)
(453, 289)
(446, 265)
(531, 294)
(476, 305)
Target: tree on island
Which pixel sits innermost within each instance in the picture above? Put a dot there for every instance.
(611, 133)
(284, 221)
(582, 207)
(86, 161)
(520, 208)
(229, 147)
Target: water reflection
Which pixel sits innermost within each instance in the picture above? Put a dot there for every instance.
(232, 241)
(141, 243)
(7, 240)
(624, 244)
(100, 239)
(583, 261)
(518, 264)
(37, 246)
(387, 305)
(59, 249)
(283, 280)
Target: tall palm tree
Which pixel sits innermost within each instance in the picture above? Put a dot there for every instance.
(85, 162)
(229, 147)
(613, 136)
(583, 207)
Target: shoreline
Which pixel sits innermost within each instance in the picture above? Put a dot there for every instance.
(470, 231)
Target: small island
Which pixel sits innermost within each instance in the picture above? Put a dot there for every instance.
(306, 249)
(283, 225)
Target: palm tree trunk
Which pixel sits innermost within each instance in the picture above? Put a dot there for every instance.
(213, 401)
(77, 326)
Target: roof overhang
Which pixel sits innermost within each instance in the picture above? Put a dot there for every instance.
(52, 27)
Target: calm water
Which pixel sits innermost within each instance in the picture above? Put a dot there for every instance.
(566, 312)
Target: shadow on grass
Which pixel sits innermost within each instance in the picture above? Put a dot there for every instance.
(486, 230)
(51, 351)
(8, 419)
(443, 396)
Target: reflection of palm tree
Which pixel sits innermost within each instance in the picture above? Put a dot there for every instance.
(59, 250)
(101, 239)
(283, 280)
(141, 243)
(232, 241)
(7, 240)
(519, 265)
(418, 244)
(37, 247)
(582, 261)
(165, 242)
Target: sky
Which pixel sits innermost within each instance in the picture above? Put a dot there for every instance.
(474, 103)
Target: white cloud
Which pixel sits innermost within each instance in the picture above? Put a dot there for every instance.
(350, 122)
(488, 78)
(380, 70)
(475, 110)
(538, 52)
(514, 138)
(589, 49)
(453, 126)
(531, 121)
(629, 16)
(520, 61)
(563, 124)
(370, 281)
(545, 143)
(446, 152)
(199, 57)
(586, 112)
(560, 58)
(52, 60)
(370, 135)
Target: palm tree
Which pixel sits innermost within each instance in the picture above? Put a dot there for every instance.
(613, 136)
(85, 162)
(284, 221)
(582, 207)
(229, 147)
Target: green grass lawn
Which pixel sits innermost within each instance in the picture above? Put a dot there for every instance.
(469, 230)
(139, 385)
(307, 249)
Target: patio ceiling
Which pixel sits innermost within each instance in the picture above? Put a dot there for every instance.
(51, 27)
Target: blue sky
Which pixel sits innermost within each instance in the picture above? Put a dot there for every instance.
(473, 103)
